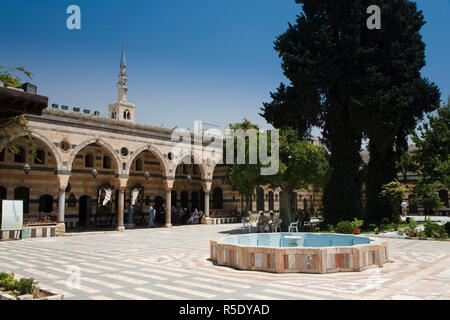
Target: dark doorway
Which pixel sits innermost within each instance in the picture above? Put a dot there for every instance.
(217, 198)
(202, 200)
(259, 199)
(271, 201)
(46, 204)
(184, 199)
(194, 201)
(173, 199)
(23, 193)
(159, 201)
(84, 213)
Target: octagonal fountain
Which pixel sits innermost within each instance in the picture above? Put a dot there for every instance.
(299, 252)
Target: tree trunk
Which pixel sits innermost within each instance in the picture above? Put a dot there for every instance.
(381, 170)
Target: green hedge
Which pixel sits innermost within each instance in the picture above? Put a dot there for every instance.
(344, 227)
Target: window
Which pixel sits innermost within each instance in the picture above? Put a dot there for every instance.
(138, 165)
(40, 157)
(106, 162)
(89, 160)
(124, 152)
(20, 156)
(126, 115)
(2, 155)
(113, 115)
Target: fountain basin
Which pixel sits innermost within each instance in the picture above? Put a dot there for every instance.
(299, 252)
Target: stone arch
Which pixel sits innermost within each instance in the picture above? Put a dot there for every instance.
(197, 161)
(100, 142)
(155, 151)
(46, 142)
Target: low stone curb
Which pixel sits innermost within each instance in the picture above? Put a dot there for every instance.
(51, 296)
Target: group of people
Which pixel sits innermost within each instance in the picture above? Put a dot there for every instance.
(266, 224)
(178, 216)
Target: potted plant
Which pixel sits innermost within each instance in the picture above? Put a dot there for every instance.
(377, 230)
(356, 225)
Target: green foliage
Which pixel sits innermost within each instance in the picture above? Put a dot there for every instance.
(26, 285)
(424, 195)
(352, 83)
(9, 79)
(344, 227)
(447, 227)
(357, 224)
(394, 192)
(17, 287)
(433, 147)
(19, 125)
(434, 230)
(331, 228)
(372, 227)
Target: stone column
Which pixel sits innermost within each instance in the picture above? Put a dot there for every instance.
(63, 181)
(207, 189)
(168, 185)
(122, 184)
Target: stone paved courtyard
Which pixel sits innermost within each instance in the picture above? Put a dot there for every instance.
(173, 264)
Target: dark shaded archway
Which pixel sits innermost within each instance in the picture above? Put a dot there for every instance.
(84, 213)
(23, 193)
(259, 199)
(217, 198)
(45, 204)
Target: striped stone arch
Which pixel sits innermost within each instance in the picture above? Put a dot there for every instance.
(155, 151)
(100, 142)
(203, 167)
(46, 142)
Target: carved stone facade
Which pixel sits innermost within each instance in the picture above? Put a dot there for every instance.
(77, 153)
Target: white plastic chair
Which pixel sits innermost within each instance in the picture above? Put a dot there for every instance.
(278, 225)
(293, 225)
(246, 225)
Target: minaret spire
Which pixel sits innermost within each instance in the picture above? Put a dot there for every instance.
(122, 110)
(122, 87)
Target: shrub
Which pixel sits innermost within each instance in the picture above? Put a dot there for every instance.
(26, 285)
(357, 224)
(372, 227)
(17, 287)
(385, 221)
(7, 281)
(447, 227)
(434, 230)
(331, 228)
(344, 227)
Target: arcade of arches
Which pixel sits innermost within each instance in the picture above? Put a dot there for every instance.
(89, 171)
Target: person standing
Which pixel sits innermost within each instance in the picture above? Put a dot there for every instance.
(151, 222)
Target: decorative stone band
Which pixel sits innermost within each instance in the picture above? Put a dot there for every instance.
(29, 232)
(300, 259)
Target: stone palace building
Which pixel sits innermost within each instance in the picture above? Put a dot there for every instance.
(89, 169)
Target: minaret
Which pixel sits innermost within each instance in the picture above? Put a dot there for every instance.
(122, 110)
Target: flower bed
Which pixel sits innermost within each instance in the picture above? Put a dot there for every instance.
(23, 289)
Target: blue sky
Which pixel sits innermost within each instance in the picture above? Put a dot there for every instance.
(209, 60)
